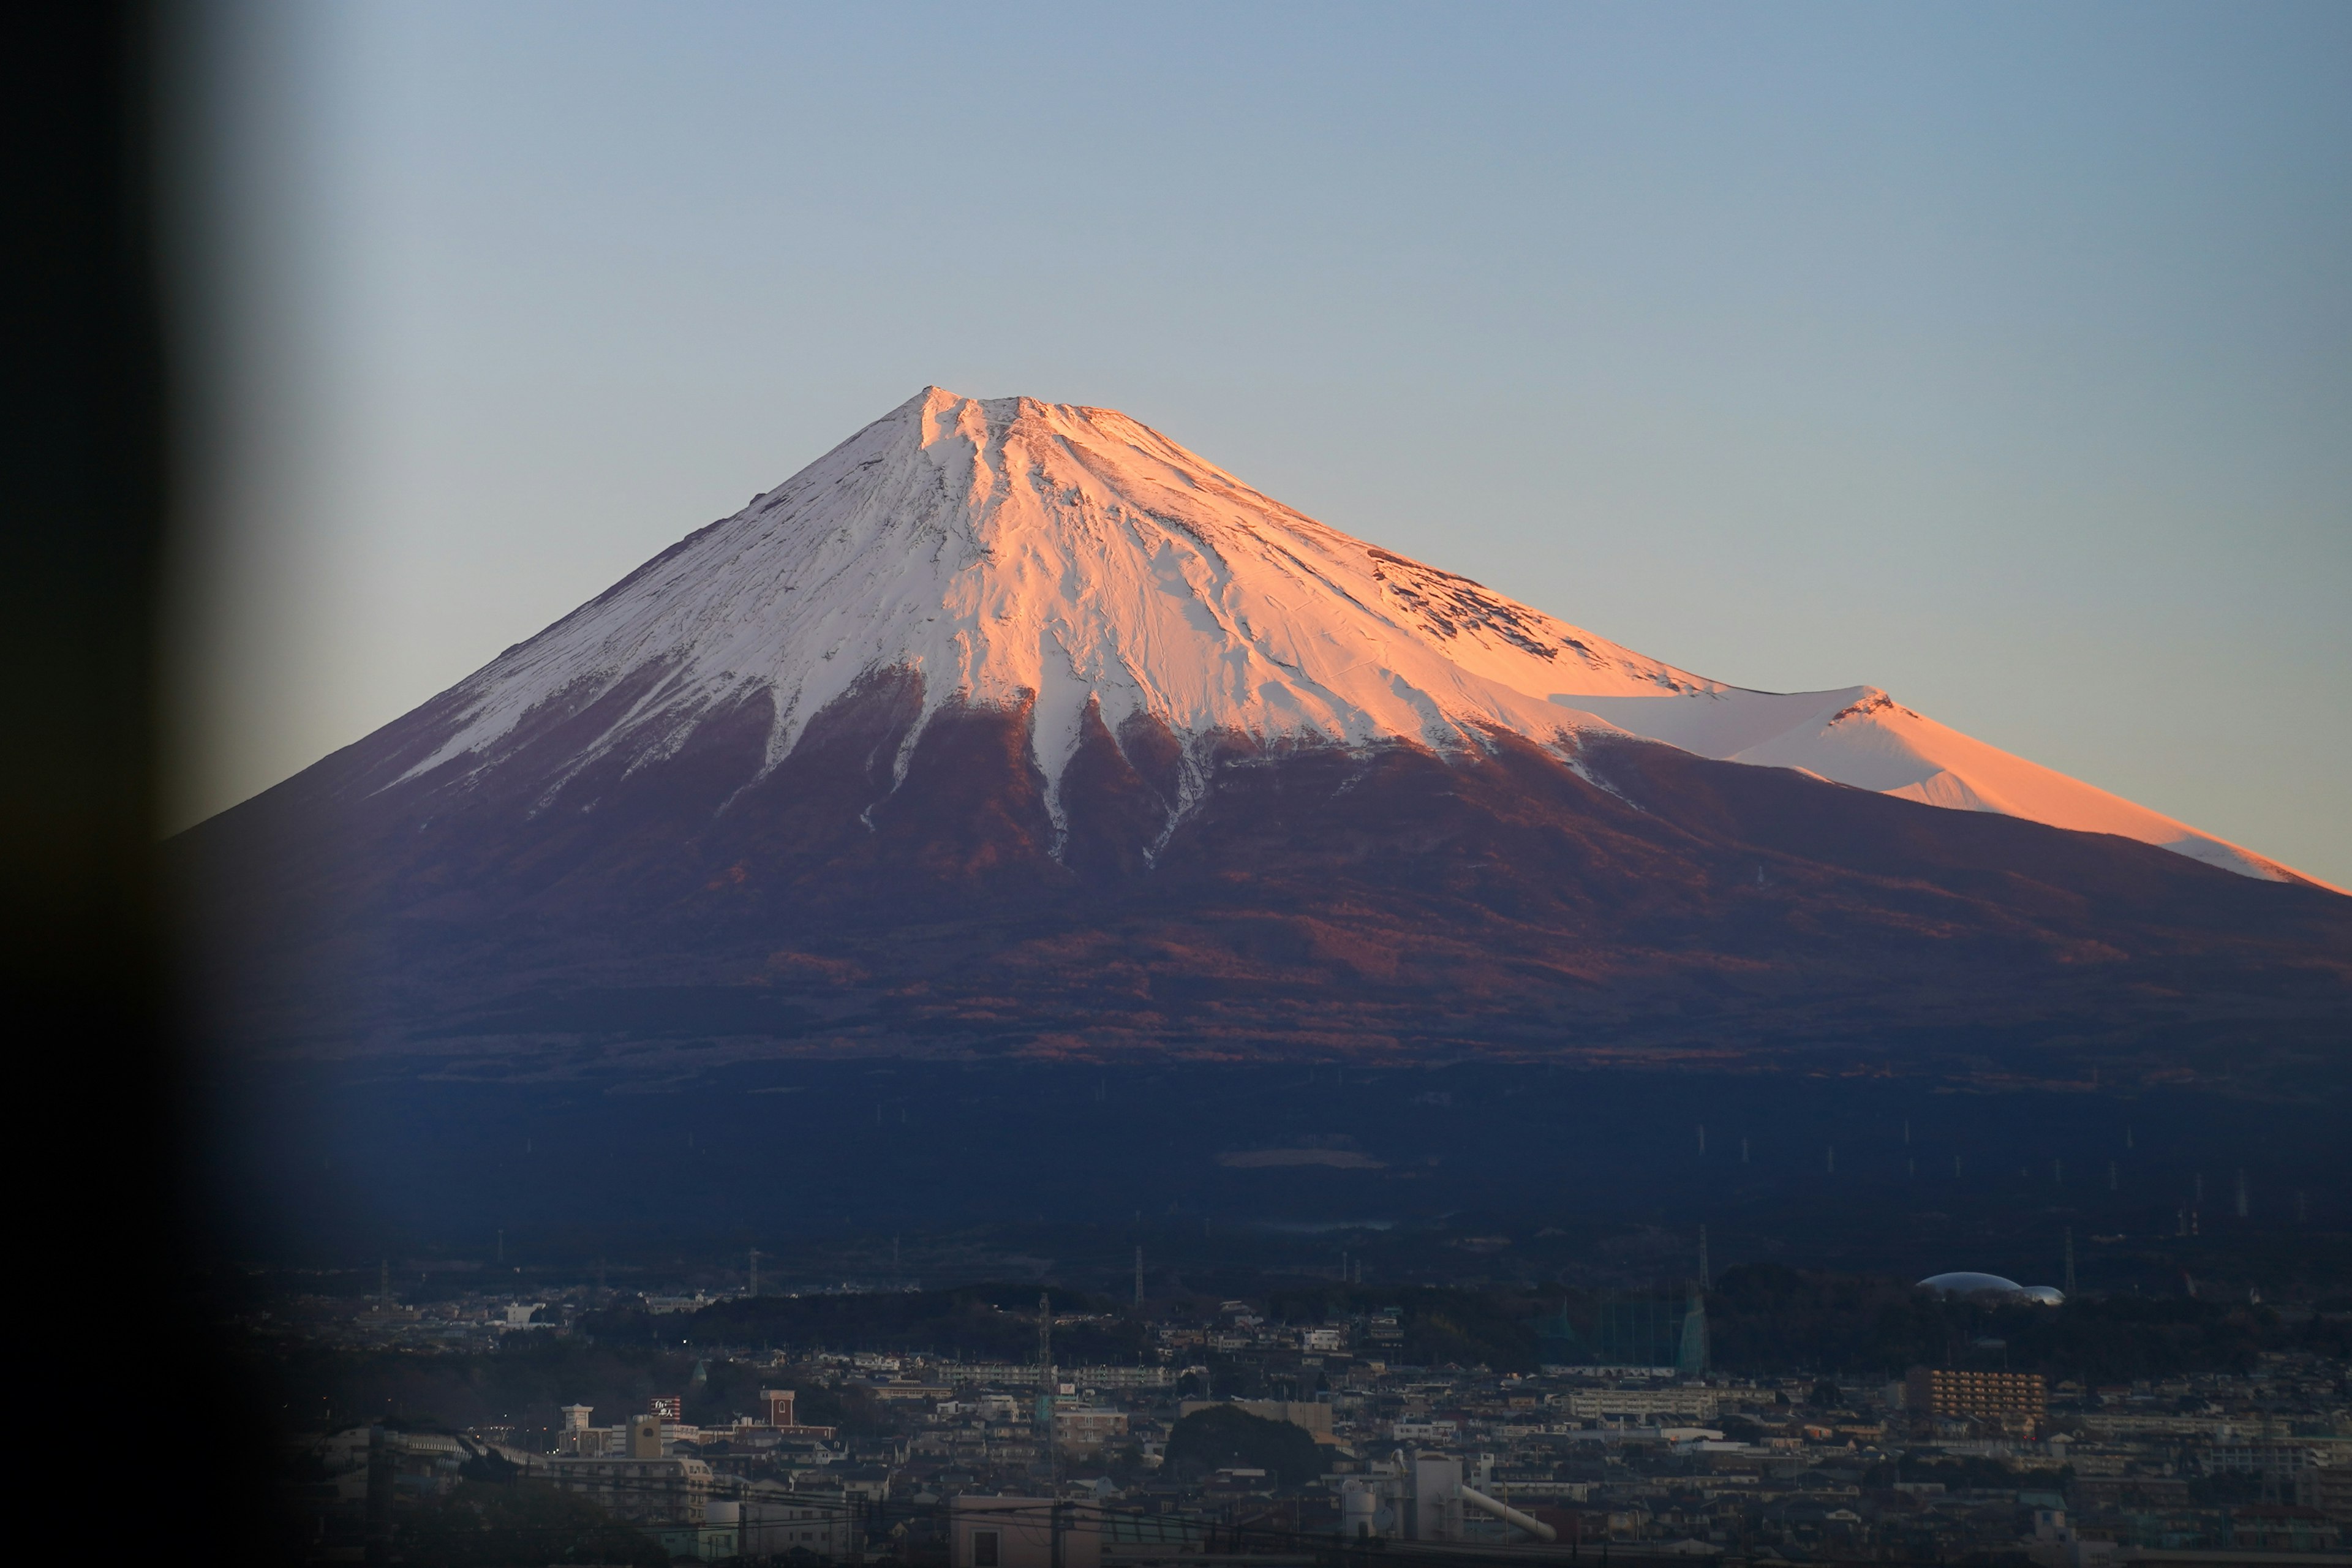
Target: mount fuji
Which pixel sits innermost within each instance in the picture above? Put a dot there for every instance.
(1010, 725)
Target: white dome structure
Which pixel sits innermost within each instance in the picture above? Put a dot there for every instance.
(1967, 1283)
(1964, 1283)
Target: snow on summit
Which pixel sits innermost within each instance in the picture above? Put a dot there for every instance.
(1015, 551)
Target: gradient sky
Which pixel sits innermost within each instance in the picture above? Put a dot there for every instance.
(1997, 355)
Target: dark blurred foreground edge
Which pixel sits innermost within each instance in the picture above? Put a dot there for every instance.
(109, 1267)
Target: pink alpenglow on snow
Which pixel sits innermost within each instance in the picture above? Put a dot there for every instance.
(1012, 551)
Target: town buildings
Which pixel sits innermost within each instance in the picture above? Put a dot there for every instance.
(961, 1462)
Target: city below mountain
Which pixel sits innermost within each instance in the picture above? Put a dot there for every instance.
(1008, 726)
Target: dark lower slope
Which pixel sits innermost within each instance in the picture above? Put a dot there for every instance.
(1647, 904)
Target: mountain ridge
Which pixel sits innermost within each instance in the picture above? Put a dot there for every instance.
(672, 818)
(1009, 547)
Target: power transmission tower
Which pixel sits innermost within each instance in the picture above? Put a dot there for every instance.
(1048, 1384)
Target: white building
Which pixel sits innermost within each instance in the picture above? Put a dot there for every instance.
(1616, 1404)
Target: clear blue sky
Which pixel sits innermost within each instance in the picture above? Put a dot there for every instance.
(1998, 355)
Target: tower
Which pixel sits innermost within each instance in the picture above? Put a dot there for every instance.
(755, 1271)
(1047, 1387)
(2069, 1261)
(1139, 1275)
(1690, 1345)
(1704, 1279)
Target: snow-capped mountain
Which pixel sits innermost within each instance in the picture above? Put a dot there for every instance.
(1054, 559)
(1013, 727)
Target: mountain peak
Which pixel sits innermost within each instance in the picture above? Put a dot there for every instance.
(1075, 565)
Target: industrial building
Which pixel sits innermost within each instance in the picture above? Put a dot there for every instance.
(1658, 1334)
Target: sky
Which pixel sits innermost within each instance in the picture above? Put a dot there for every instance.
(1997, 355)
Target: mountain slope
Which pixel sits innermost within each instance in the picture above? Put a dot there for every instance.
(1004, 727)
(1013, 552)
